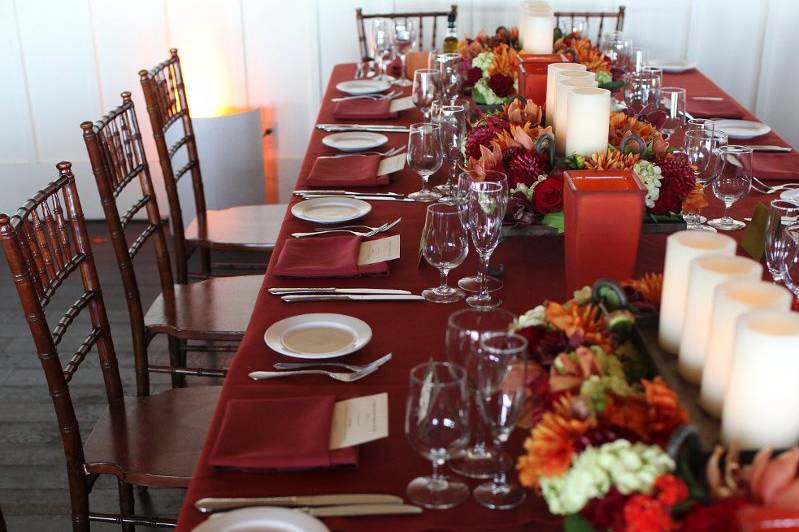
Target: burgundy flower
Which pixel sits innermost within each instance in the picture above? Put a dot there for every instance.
(472, 76)
(501, 85)
(718, 517)
(678, 181)
(544, 344)
(520, 211)
(548, 196)
(606, 513)
(524, 166)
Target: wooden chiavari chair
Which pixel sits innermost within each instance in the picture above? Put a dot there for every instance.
(216, 309)
(588, 15)
(420, 16)
(2, 522)
(144, 441)
(252, 228)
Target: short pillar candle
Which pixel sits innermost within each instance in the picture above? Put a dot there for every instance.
(587, 121)
(536, 27)
(704, 275)
(552, 79)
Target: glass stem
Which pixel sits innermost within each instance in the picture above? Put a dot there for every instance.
(726, 218)
(437, 465)
(402, 62)
(479, 430)
(453, 172)
(483, 274)
(443, 288)
(499, 477)
(425, 178)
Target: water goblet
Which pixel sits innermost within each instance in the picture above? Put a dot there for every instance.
(445, 246)
(424, 156)
(404, 42)
(382, 42)
(449, 75)
(731, 182)
(425, 89)
(452, 119)
(698, 146)
(641, 89)
(702, 124)
(437, 427)
(790, 268)
(672, 102)
(777, 238)
(487, 204)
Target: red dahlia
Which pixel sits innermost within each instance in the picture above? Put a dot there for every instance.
(524, 166)
(479, 136)
(678, 181)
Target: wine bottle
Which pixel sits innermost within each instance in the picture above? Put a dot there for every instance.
(451, 38)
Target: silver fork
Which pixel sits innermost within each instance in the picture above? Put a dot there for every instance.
(387, 153)
(387, 96)
(366, 234)
(367, 227)
(339, 376)
(761, 187)
(352, 367)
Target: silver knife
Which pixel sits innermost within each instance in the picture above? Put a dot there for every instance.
(309, 290)
(361, 509)
(299, 298)
(344, 193)
(769, 148)
(358, 126)
(217, 504)
(360, 197)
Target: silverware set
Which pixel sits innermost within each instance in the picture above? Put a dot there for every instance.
(375, 128)
(305, 295)
(769, 148)
(387, 96)
(345, 504)
(341, 376)
(763, 188)
(370, 231)
(387, 153)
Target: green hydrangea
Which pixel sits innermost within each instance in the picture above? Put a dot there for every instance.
(532, 318)
(484, 61)
(596, 388)
(603, 77)
(631, 468)
(650, 175)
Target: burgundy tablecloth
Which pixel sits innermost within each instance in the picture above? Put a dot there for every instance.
(414, 332)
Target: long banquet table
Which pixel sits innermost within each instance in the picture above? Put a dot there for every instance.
(413, 332)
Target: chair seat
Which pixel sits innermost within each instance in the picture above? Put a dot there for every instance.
(155, 440)
(218, 308)
(243, 227)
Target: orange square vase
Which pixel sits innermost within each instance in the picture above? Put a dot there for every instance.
(533, 75)
(603, 212)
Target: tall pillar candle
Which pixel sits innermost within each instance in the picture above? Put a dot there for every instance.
(704, 275)
(569, 79)
(681, 248)
(552, 80)
(587, 121)
(761, 407)
(539, 33)
(731, 300)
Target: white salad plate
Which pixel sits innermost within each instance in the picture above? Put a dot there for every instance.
(742, 129)
(673, 66)
(262, 519)
(330, 210)
(318, 336)
(357, 87)
(354, 140)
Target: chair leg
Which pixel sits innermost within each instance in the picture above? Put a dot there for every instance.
(177, 359)
(126, 503)
(205, 261)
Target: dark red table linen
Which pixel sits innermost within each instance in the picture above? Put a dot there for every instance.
(363, 109)
(278, 435)
(726, 108)
(324, 256)
(354, 171)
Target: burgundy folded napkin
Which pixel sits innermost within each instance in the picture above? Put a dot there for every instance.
(278, 435)
(356, 171)
(363, 109)
(775, 166)
(726, 108)
(326, 256)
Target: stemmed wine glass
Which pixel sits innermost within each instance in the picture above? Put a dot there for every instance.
(449, 75)
(452, 119)
(698, 146)
(382, 41)
(425, 156)
(425, 89)
(501, 387)
(732, 181)
(777, 238)
(487, 204)
(639, 57)
(404, 41)
(672, 102)
(641, 89)
(445, 246)
(437, 427)
(474, 283)
(790, 268)
(465, 329)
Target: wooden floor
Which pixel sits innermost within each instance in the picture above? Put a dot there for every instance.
(33, 485)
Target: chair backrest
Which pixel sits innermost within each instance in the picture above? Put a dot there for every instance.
(419, 15)
(165, 94)
(588, 15)
(44, 243)
(117, 157)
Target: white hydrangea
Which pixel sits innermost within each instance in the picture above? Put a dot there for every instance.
(631, 468)
(484, 61)
(532, 318)
(651, 177)
(489, 97)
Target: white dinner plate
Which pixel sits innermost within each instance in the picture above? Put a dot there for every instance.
(354, 140)
(317, 336)
(262, 519)
(356, 87)
(742, 129)
(673, 66)
(790, 195)
(330, 210)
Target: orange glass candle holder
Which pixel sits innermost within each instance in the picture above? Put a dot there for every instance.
(603, 212)
(533, 75)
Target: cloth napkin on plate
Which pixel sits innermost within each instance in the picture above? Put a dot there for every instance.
(324, 256)
(356, 171)
(363, 109)
(714, 109)
(278, 435)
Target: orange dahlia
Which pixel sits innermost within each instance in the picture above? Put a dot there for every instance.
(506, 61)
(621, 124)
(665, 412)
(585, 323)
(612, 160)
(649, 286)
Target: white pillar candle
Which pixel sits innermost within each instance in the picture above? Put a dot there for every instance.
(539, 32)
(587, 121)
(731, 300)
(552, 79)
(569, 79)
(681, 248)
(761, 407)
(704, 275)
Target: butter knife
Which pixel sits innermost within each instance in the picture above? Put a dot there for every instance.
(217, 504)
(769, 148)
(362, 509)
(299, 298)
(384, 291)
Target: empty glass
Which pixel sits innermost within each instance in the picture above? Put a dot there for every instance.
(445, 245)
(437, 427)
(621, 54)
(731, 182)
(571, 25)
(790, 269)
(465, 329)
(487, 204)
(382, 43)
(425, 156)
(639, 57)
(641, 89)
(657, 72)
(776, 236)
(453, 122)
(404, 42)
(501, 388)
(425, 89)
(449, 75)
(435, 109)
(672, 102)
(698, 146)
(703, 124)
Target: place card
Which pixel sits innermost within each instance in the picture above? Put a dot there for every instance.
(381, 250)
(401, 104)
(389, 165)
(754, 239)
(359, 420)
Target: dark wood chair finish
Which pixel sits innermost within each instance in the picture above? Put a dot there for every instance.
(149, 441)
(588, 15)
(228, 229)
(360, 17)
(216, 309)
(2, 522)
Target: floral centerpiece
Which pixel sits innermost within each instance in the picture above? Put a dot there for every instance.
(579, 49)
(491, 65)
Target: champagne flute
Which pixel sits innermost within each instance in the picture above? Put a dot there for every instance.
(501, 388)
(382, 43)
(777, 239)
(404, 42)
(437, 427)
(445, 246)
(425, 156)
(487, 204)
(672, 102)
(452, 119)
(449, 75)
(425, 89)
(732, 181)
(465, 329)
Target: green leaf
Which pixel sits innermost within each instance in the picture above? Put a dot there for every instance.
(577, 523)
(663, 218)
(612, 85)
(554, 219)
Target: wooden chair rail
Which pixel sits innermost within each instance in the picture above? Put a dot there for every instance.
(587, 15)
(360, 17)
